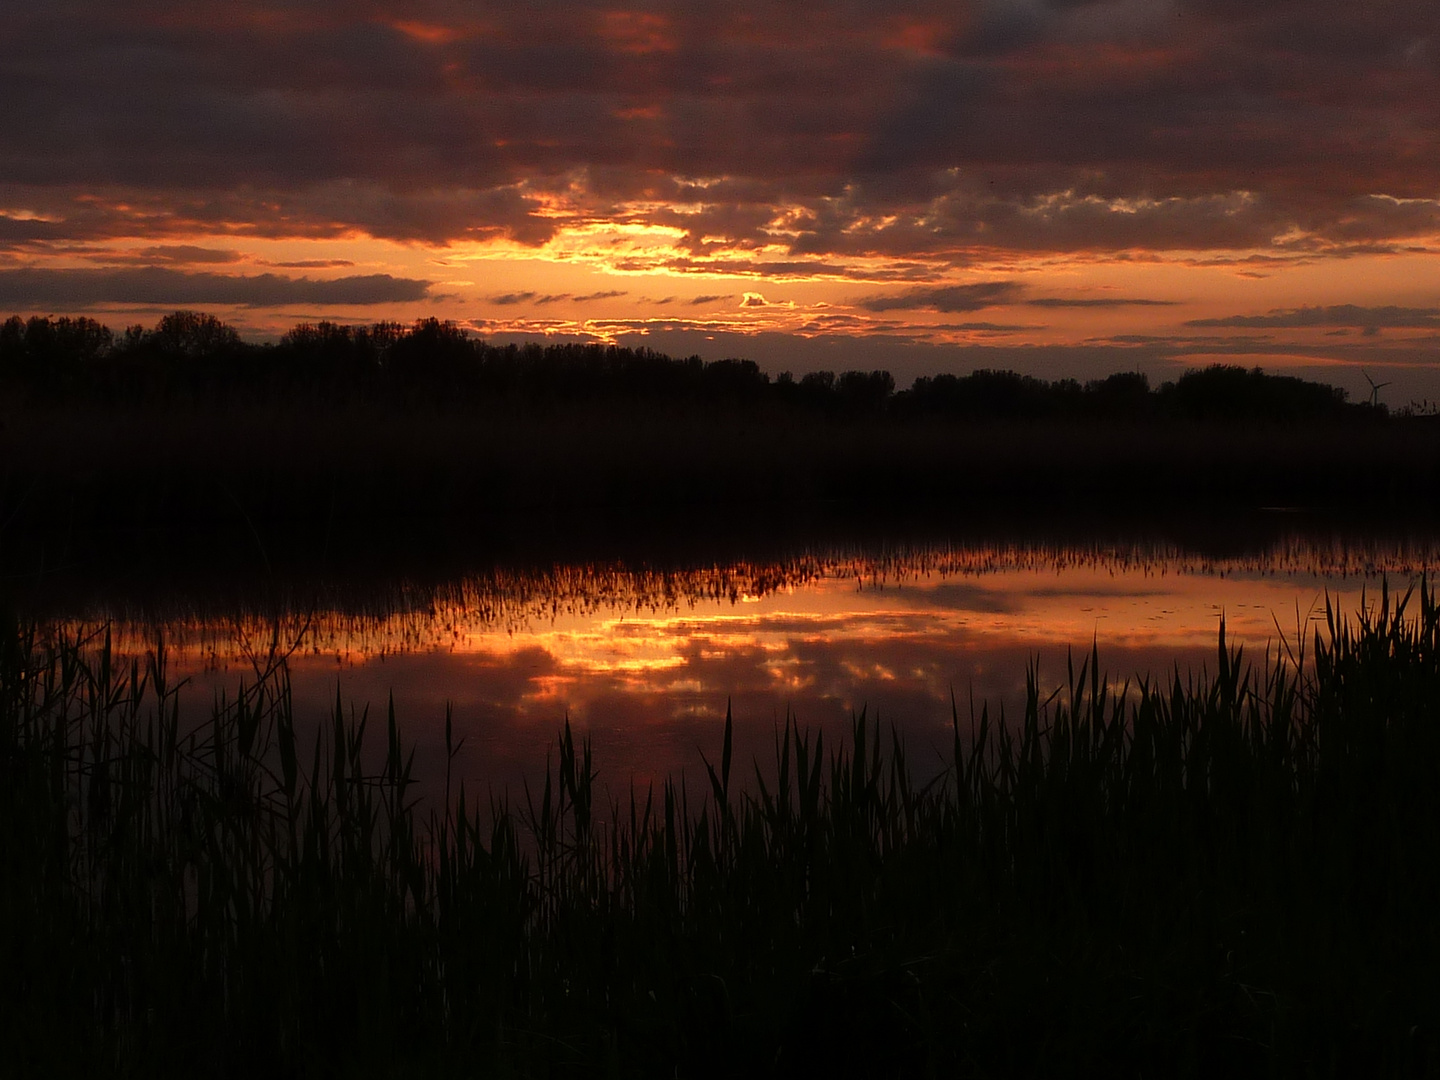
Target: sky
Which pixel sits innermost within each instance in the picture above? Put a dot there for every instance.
(1065, 188)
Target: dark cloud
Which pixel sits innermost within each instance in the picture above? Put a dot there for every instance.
(710, 298)
(757, 268)
(985, 294)
(973, 297)
(905, 129)
(1347, 315)
(95, 212)
(21, 230)
(1096, 302)
(312, 264)
(557, 298)
(73, 289)
(188, 254)
(163, 255)
(989, 327)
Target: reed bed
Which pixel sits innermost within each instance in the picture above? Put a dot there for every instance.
(1233, 872)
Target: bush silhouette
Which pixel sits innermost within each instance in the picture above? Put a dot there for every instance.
(433, 361)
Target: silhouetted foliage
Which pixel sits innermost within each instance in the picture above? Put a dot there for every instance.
(1126, 393)
(990, 395)
(185, 428)
(1230, 392)
(441, 364)
(189, 335)
(866, 391)
(51, 352)
(431, 352)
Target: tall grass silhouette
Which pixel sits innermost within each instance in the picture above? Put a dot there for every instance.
(1232, 870)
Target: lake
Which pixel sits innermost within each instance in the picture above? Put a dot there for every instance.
(645, 660)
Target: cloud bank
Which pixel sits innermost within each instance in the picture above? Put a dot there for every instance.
(1346, 315)
(909, 129)
(25, 288)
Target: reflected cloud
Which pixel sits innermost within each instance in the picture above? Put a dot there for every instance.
(646, 662)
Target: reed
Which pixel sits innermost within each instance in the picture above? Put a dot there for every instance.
(1233, 870)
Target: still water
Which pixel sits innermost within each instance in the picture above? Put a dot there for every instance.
(646, 662)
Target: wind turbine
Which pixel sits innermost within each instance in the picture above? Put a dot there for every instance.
(1375, 389)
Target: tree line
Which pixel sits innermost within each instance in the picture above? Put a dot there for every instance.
(189, 356)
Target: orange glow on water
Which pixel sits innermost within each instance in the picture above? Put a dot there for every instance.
(649, 664)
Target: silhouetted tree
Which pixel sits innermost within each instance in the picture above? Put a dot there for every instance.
(193, 353)
(864, 391)
(192, 335)
(1232, 393)
(1124, 394)
(733, 380)
(51, 352)
(434, 358)
(988, 395)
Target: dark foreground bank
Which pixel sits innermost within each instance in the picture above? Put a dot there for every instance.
(1226, 874)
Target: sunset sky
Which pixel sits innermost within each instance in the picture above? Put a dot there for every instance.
(1060, 187)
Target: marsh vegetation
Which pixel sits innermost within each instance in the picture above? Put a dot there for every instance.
(1223, 872)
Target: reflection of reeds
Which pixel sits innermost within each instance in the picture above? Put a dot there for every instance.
(1233, 873)
(377, 619)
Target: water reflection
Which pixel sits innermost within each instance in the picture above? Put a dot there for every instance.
(646, 661)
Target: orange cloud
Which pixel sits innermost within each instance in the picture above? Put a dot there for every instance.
(429, 33)
(638, 33)
(927, 37)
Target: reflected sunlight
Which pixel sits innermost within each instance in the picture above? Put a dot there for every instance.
(620, 652)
